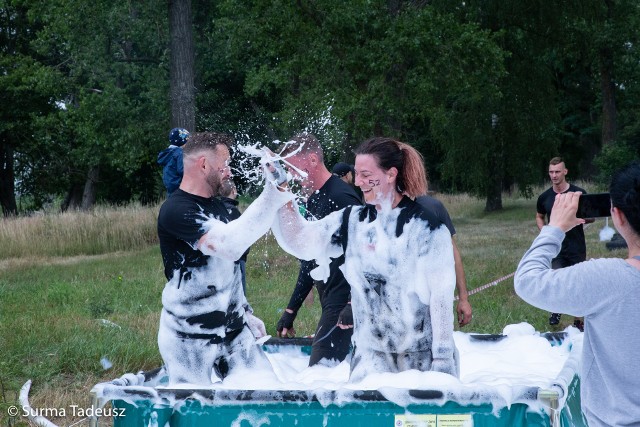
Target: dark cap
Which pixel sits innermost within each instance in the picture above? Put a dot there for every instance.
(341, 169)
(178, 136)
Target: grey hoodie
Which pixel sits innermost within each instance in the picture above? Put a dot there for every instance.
(606, 292)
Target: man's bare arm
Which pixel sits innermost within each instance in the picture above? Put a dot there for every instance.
(540, 221)
(463, 308)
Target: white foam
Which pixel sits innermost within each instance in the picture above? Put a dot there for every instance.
(490, 371)
(514, 361)
(496, 372)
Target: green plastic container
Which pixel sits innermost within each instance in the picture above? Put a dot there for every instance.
(137, 402)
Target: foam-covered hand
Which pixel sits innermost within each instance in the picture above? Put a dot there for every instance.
(275, 172)
(256, 326)
(273, 169)
(345, 319)
(285, 325)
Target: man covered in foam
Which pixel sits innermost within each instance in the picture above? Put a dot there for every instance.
(398, 261)
(206, 326)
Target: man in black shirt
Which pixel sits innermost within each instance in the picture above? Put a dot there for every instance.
(574, 248)
(204, 325)
(328, 193)
(344, 171)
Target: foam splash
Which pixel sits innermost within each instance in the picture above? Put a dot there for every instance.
(265, 156)
(317, 120)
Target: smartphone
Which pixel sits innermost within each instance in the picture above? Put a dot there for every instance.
(594, 205)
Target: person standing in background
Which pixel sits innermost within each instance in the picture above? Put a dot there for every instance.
(344, 171)
(327, 194)
(574, 248)
(171, 159)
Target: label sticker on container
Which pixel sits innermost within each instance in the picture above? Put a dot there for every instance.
(428, 420)
(455, 420)
(416, 420)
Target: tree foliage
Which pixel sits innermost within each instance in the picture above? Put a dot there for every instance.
(487, 91)
(108, 103)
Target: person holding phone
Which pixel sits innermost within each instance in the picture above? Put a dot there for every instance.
(574, 248)
(605, 292)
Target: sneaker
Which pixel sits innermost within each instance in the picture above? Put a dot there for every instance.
(579, 324)
(554, 319)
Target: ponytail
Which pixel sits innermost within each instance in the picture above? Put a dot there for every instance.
(414, 174)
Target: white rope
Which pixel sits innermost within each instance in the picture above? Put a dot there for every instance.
(488, 285)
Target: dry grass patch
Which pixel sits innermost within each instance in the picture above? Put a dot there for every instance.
(102, 230)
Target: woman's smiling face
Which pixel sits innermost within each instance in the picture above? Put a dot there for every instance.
(376, 184)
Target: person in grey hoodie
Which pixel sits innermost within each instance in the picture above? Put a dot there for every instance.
(171, 159)
(605, 291)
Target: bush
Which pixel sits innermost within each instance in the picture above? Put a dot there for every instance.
(611, 158)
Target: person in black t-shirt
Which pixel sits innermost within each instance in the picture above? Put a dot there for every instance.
(398, 260)
(574, 248)
(344, 171)
(327, 193)
(205, 329)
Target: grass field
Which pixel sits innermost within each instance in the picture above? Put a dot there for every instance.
(76, 288)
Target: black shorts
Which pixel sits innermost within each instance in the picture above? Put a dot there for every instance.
(330, 342)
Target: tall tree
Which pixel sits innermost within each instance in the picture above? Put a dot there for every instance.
(524, 125)
(182, 88)
(113, 55)
(27, 89)
(381, 68)
(600, 59)
(607, 85)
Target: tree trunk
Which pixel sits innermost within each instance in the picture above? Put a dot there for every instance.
(7, 181)
(182, 89)
(73, 200)
(494, 194)
(609, 111)
(496, 174)
(90, 189)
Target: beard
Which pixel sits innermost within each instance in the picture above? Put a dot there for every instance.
(226, 188)
(214, 181)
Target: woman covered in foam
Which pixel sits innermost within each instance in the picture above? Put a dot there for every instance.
(398, 261)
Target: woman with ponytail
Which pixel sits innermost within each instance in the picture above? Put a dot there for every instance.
(398, 261)
(605, 291)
